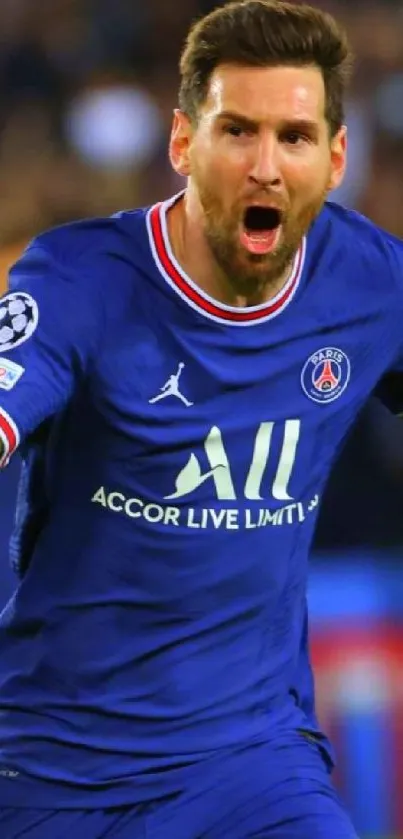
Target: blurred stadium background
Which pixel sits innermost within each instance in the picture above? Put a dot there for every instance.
(87, 89)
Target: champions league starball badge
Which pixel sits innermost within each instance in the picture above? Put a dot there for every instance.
(18, 319)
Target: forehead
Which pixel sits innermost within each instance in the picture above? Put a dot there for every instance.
(267, 93)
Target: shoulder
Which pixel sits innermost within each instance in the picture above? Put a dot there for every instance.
(365, 245)
(92, 244)
(95, 259)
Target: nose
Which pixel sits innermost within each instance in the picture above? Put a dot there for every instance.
(266, 165)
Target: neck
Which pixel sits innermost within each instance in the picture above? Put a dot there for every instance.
(194, 255)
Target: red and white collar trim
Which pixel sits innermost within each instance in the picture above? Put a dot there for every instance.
(198, 299)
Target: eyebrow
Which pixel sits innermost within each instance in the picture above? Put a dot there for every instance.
(304, 125)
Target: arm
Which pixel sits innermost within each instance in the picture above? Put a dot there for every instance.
(381, 427)
(362, 502)
(49, 332)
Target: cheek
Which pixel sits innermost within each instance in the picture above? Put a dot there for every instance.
(229, 172)
(219, 169)
(203, 162)
(307, 179)
(214, 169)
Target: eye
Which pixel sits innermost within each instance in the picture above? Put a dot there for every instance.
(234, 130)
(295, 137)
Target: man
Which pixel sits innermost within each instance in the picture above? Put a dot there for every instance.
(179, 381)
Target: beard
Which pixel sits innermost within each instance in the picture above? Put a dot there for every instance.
(247, 273)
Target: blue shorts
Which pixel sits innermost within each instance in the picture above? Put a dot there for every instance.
(280, 790)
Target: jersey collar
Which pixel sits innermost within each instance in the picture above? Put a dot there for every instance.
(182, 284)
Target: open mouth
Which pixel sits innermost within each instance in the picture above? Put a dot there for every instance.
(261, 229)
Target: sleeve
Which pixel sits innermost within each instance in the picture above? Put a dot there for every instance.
(50, 322)
(394, 375)
(378, 434)
(390, 391)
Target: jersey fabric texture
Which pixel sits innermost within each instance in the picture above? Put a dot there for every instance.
(277, 791)
(174, 451)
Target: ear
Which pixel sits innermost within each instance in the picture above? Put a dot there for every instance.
(338, 157)
(180, 141)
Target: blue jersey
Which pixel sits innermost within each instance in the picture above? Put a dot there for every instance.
(175, 451)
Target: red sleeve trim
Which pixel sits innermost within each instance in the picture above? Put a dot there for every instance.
(9, 435)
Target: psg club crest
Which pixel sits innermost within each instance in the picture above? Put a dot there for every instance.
(18, 319)
(325, 375)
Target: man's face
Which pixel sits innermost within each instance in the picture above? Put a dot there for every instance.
(260, 162)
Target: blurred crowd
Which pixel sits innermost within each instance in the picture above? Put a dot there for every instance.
(87, 89)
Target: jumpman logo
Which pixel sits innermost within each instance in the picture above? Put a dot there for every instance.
(171, 388)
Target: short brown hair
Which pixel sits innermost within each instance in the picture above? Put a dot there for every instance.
(262, 33)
